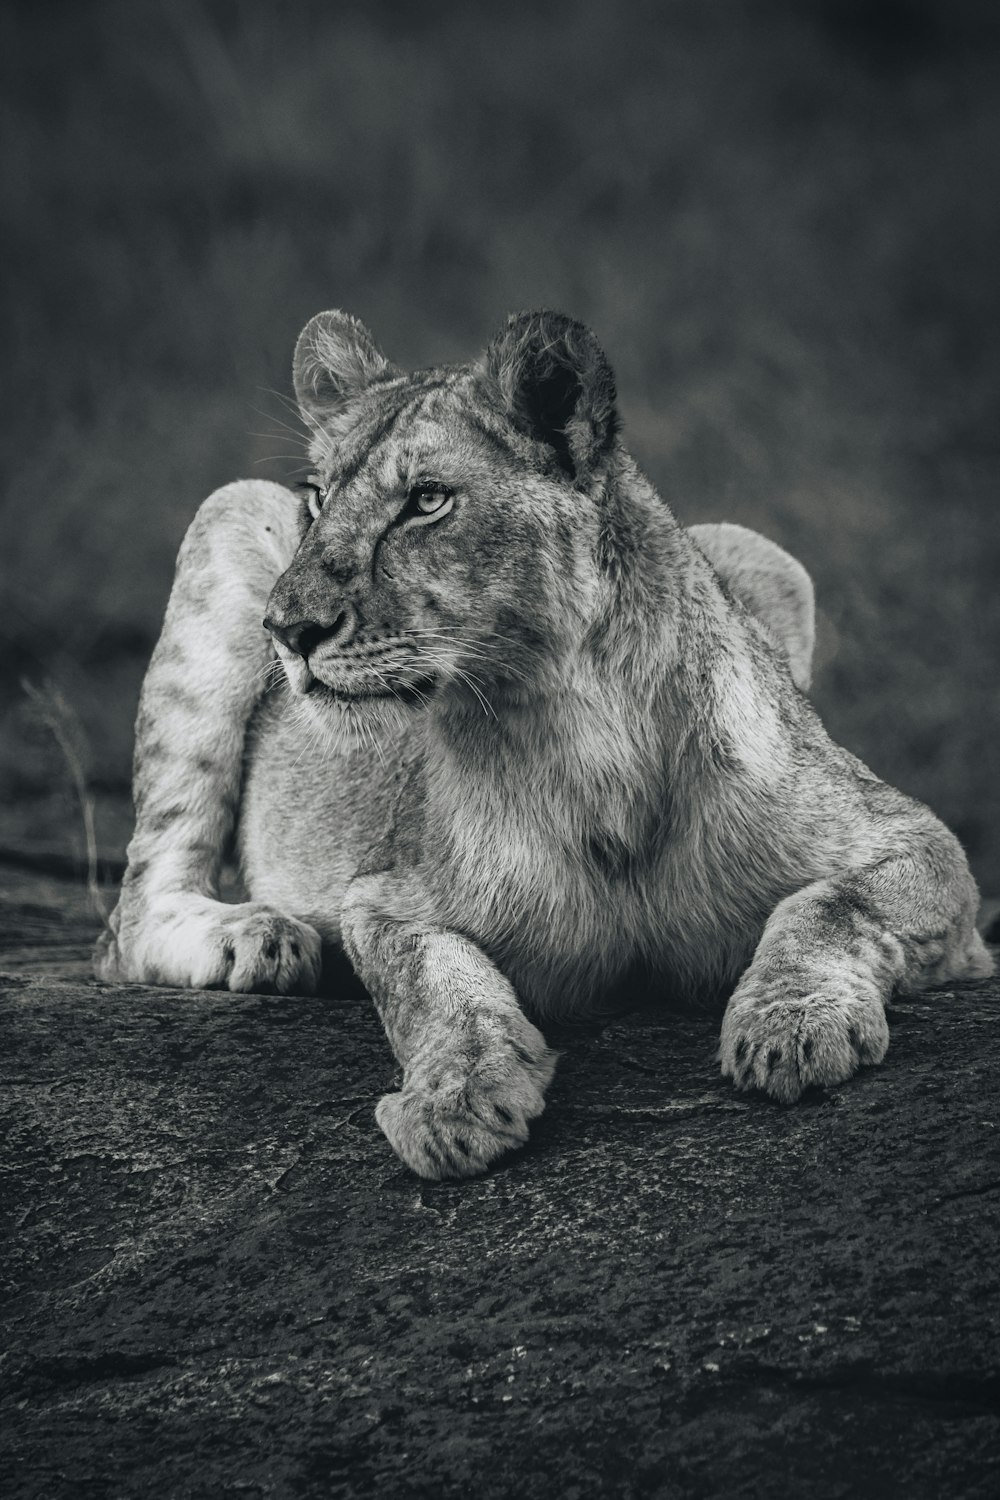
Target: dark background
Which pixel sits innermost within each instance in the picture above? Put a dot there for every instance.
(781, 219)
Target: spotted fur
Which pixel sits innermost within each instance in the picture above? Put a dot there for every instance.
(519, 756)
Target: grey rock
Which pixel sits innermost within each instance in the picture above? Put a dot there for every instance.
(218, 1280)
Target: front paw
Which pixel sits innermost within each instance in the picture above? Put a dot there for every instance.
(263, 951)
(469, 1106)
(198, 943)
(782, 1039)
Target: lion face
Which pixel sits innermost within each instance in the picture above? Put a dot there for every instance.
(451, 520)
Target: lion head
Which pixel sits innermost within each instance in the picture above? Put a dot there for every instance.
(453, 520)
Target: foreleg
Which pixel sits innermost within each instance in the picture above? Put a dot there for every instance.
(811, 1007)
(475, 1069)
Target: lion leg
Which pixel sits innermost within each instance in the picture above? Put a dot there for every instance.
(475, 1069)
(773, 585)
(811, 1007)
(209, 668)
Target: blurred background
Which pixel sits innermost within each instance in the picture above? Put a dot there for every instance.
(780, 217)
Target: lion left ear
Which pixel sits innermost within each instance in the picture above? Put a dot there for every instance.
(556, 385)
(335, 357)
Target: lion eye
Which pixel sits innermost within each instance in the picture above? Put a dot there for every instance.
(430, 500)
(316, 493)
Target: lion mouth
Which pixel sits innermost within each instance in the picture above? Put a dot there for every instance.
(413, 693)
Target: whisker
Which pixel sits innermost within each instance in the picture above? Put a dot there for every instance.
(281, 428)
(487, 705)
(272, 458)
(252, 432)
(271, 669)
(376, 743)
(301, 725)
(287, 402)
(471, 650)
(455, 638)
(429, 659)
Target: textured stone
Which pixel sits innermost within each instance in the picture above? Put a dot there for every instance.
(219, 1281)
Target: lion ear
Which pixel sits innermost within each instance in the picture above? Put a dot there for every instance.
(556, 386)
(335, 357)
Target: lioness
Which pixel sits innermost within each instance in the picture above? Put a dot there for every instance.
(525, 744)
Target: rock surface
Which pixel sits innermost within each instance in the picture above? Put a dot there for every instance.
(219, 1281)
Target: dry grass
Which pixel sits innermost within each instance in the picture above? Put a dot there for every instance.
(63, 724)
(780, 218)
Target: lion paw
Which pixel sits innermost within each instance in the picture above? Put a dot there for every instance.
(453, 1122)
(783, 1043)
(203, 944)
(263, 951)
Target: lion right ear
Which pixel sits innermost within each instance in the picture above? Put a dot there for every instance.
(554, 381)
(335, 357)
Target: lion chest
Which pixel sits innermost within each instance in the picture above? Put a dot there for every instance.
(544, 884)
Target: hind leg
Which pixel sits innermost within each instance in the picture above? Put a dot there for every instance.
(211, 665)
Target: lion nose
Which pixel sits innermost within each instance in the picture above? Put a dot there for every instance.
(303, 636)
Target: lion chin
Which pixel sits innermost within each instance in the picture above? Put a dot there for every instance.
(364, 718)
